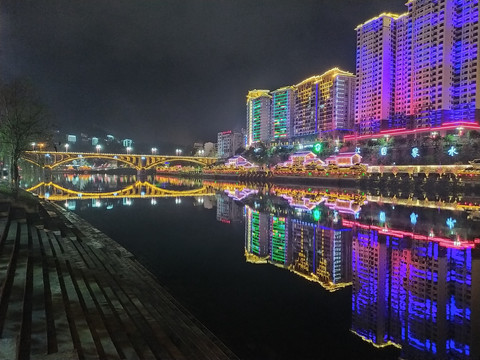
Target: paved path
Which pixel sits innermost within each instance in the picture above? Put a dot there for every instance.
(67, 291)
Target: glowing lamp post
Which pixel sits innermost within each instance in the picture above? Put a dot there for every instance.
(66, 147)
(98, 147)
(178, 152)
(129, 149)
(154, 151)
(41, 146)
(33, 146)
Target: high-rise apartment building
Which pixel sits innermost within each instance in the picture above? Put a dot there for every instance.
(258, 116)
(336, 100)
(318, 104)
(375, 73)
(419, 69)
(306, 107)
(283, 106)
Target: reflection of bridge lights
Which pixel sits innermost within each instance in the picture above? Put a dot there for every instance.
(178, 201)
(109, 207)
(153, 201)
(96, 203)
(127, 201)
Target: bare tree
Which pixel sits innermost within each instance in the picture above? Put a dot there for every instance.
(23, 120)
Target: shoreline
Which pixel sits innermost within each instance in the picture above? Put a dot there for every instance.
(71, 290)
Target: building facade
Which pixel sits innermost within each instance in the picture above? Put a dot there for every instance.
(375, 73)
(228, 142)
(283, 111)
(258, 116)
(321, 103)
(419, 69)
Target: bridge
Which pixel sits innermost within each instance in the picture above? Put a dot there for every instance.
(51, 160)
(139, 189)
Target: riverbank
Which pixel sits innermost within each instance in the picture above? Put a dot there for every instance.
(70, 292)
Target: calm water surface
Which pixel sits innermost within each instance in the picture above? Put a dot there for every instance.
(285, 272)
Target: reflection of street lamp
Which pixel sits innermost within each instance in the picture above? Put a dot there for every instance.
(154, 151)
(33, 146)
(129, 149)
(98, 147)
(178, 152)
(66, 147)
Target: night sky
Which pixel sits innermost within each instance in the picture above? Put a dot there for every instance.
(172, 70)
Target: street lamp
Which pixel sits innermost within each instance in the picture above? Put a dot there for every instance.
(98, 147)
(178, 152)
(33, 146)
(66, 147)
(154, 150)
(41, 146)
(129, 149)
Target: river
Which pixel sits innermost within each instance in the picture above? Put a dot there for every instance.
(291, 272)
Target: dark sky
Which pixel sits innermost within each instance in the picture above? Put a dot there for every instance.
(172, 70)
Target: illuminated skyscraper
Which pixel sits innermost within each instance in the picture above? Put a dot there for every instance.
(375, 73)
(306, 111)
(419, 69)
(324, 103)
(283, 106)
(336, 100)
(258, 116)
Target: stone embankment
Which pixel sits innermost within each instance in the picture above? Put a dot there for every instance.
(67, 291)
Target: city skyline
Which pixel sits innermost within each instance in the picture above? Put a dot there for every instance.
(169, 72)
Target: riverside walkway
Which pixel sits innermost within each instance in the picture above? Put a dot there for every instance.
(67, 291)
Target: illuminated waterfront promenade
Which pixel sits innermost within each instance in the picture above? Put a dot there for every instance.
(70, 292)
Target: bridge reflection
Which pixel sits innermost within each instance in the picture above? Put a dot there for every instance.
(139, 189)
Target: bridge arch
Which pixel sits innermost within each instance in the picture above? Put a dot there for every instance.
(93, 156)
(163, 161)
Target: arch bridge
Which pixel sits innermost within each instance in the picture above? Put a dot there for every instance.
(51, 160)
(139, 189)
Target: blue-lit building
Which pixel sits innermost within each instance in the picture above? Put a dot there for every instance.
(419, 69)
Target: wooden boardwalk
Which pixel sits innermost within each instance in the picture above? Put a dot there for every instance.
(67, 291)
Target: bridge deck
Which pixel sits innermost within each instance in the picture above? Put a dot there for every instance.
(69, 292)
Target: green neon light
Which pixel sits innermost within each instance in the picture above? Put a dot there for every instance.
(317, 148)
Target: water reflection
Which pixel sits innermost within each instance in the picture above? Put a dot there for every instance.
(413, 263)
(414, 271)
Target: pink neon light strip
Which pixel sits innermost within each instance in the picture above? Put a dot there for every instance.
(403, 131)
(445, 242)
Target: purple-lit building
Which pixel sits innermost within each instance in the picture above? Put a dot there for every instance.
(419, 69)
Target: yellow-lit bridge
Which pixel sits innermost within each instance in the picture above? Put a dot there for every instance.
(51, 160)
(55, 192)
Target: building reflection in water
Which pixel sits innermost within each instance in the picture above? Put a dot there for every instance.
(415, 273)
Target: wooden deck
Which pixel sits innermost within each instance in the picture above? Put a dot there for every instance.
(67, 291)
